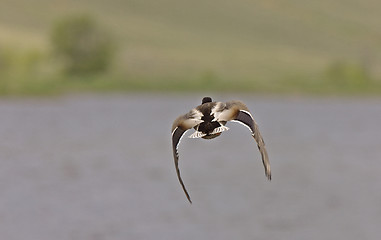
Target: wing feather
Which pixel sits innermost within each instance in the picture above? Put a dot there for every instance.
(179, 127)
(177, 134)
(237, 111)
(247, 119)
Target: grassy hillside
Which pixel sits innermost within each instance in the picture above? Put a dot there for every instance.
(285, 45)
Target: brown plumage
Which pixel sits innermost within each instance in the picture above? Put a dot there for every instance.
(209, 119)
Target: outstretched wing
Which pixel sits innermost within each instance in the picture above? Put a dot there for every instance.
(246, 118)
(180, 126)
(237, 111)
(177, 134)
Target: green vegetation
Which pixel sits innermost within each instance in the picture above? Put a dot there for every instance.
(82, 45)
(320, 47)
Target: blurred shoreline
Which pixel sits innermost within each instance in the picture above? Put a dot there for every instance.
(287, 48)
(107, 85)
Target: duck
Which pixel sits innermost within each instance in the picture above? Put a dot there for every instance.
(209, 120)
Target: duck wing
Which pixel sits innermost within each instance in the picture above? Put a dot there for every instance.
(238, 112)
(179, 127)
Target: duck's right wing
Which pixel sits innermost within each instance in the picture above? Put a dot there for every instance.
(238, 112)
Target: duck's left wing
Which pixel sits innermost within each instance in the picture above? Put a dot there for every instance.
(180, 126)
(177, 134)
(238, 112)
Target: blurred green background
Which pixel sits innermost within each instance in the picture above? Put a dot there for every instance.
(289, 47)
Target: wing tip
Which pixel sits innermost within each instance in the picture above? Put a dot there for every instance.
(268, 175)
(186, 192)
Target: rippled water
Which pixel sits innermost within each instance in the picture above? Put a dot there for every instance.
(101, 167)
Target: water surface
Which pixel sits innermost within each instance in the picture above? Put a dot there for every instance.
(101, 167)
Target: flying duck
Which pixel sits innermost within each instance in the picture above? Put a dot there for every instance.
(208, 120)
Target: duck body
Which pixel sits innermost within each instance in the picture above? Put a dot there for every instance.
(209, 127)
(208, 121)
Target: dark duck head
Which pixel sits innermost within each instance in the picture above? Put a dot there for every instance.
(206, 100)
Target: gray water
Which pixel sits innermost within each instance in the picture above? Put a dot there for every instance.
(101, 167)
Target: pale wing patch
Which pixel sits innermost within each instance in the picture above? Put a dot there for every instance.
(217, 110)
(197, 134)
(225, 115)
(192, 119)
(219, 130)
(195, 114)
(189, 123)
